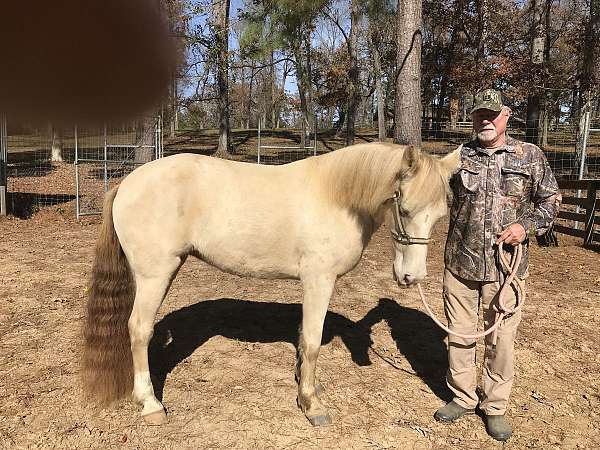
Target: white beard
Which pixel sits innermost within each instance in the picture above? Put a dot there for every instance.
(487, 135)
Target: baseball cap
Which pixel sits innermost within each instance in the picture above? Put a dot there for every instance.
(487, 99)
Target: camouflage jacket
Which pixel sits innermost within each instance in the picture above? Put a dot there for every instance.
(492, 190)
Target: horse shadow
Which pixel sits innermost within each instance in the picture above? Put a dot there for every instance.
(180, 333)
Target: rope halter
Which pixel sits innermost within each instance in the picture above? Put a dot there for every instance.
(399, 233)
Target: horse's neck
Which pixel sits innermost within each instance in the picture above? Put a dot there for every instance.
(360, 179)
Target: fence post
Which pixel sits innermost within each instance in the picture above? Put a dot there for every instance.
(258, 148)
(582, 152)
(3, 159)
(76, 165)
(590, 212)
(583, 143)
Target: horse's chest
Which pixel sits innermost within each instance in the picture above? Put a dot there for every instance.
(339, 252)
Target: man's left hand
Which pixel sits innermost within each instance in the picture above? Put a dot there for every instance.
(514, 234)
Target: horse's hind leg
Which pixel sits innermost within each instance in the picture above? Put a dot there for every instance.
(150, 292)
(317, 293)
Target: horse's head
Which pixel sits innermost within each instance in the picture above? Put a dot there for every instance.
(420, 200)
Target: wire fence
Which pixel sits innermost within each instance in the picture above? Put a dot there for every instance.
(70, 168)
(35, 176)
(103, 158)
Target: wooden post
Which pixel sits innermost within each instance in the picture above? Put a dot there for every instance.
(590, 212)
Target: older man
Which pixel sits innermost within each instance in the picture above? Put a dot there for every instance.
(503, 192)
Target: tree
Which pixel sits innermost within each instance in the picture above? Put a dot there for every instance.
(379, 13)
(290, 26)
(536, 88)
(353, 72)
(379, 93)
(145, 129)
(589, 77)
(220, 26)
(408, 77)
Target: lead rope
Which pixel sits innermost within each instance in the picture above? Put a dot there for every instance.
(511, 281)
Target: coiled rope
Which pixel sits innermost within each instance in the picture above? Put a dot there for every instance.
(509, 269)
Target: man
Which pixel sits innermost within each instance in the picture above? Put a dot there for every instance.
(503, 191)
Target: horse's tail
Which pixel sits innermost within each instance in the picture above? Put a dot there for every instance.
(107, 360)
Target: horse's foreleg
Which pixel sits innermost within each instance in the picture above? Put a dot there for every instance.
(150, 292)
(317, 293)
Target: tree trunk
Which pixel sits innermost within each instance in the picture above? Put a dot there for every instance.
(408, 79)
(352, 73)
(273, 89)
(448, 84)
(590, 74)
(144, 140)
(482, 32)
(249, 104)
(538, 40)
(302, 82)
(382, 133)
(174, 122)
(57, 144)
(220, 25)
(454, 107)
(544, 128)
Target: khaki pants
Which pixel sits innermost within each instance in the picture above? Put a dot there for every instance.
(461, 304)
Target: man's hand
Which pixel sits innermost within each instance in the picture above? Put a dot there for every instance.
(514, 234)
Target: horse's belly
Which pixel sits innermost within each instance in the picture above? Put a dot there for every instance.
(253, 261)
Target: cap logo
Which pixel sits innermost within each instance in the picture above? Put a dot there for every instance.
(490, 96)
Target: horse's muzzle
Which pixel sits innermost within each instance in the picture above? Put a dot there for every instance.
(405, 280)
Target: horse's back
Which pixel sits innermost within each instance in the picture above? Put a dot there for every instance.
(238, 216)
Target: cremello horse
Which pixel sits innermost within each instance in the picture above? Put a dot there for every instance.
(308, 220)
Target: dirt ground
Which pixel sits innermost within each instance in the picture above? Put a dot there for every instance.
(223, 355)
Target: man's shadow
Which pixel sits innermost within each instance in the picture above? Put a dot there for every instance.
(418, 339)
(180, 333)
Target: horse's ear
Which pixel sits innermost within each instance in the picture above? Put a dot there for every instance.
(411, 158)
(451, 162)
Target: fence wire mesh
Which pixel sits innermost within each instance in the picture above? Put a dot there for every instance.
(70, 167)
(38, 168)
(105, 156)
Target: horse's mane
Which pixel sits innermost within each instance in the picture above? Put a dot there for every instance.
(362, 177)
(427, 185)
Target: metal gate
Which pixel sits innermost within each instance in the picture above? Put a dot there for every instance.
(103, 157)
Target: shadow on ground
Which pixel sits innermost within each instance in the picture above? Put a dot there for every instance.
(182, 332)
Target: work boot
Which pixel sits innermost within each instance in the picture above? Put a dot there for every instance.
(451, 412)
(498, 427)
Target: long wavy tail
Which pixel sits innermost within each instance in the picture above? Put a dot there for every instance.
(107, 361)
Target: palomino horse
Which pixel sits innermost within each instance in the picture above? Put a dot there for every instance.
(318, 216)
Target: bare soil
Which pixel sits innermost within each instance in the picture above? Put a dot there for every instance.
(223, 355)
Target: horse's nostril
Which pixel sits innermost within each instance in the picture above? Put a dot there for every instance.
(408, 279)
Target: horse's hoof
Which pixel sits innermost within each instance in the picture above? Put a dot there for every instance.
(156, 418)
(319, 389)
(320, 421)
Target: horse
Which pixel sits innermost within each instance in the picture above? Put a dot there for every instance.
(309, 220)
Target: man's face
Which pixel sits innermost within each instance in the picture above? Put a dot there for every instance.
(490, 125)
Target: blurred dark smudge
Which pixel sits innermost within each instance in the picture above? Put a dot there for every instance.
(83, 60)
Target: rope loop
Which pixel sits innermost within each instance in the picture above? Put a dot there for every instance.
(511, 281)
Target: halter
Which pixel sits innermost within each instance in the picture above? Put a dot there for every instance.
(399, 234)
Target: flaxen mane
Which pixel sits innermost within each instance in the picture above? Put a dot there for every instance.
(363, 176)
(427, 185)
